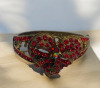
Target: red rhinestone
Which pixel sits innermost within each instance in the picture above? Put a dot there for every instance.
(79, 44)
(38, 39)
(46, 55)
(49, 66)
(53, 44)
(25, 57)
(77, 53)
(29, 37)
(56, 72)
(43, 54)
(57, 67)
(50, 49)
(62, 60)
(47, 70)
(33, 55)
(76, 41)
(72, 49)
(61, 45)
(62, 50)
(58, 59)
(26, 38)
(76, 47)
(82, 39)
(36, 65)
(32, 49)
(29, 59)
(73, 54)
(85, 39)
(34, 43)
(70, 39)
(19, 38)
(65, 56)
(36, 51)
(44, 67)
(75, 58)
(46, 61)
(53, 48)
(23, 39)
(61, 67)
(41, 62)
(56, 50)
(46, 45)
(68, 62)
(80, 48)
(50, 39)
(70, 56)
(41, 44)
(44, 37)
(67, 47)
(57, 63)
(65, 41)
(71, 45)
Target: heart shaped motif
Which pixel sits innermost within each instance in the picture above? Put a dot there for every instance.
(53, 52)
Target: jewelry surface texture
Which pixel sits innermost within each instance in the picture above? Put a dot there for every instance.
(50, 50)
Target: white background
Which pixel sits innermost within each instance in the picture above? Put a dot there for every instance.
(62, 15)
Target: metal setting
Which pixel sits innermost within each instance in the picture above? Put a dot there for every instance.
(50, 50)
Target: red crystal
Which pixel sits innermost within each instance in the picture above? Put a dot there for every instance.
(58, 59)
(29, 37)
(73, 54)
(49, 66)
(44, 67)
(68, 62)
(33, 55)
(29, 59)
(79, 44)
(65, 41)
(41, 44)
(46, 61)
(46, 45)
(47, 70)
(70, 39)
(67, 47)
(53, 48)
(32, 49)
(36, 51)
(53, 44)
(72, 49)
(70, 56)
(46, 55)
(65, 56)
(41, 62)
(61, 45)
(62, 50)
(50, 49)
(56, 50)
(50, 39)
(36, 65)
(76, 47)
(71, 45)
(43, 55)
(38, 39)
(44, 37)
(34, 43)
(57, 67)
(56, 72)
(80, 48)
(76, 41)
(57, 63)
